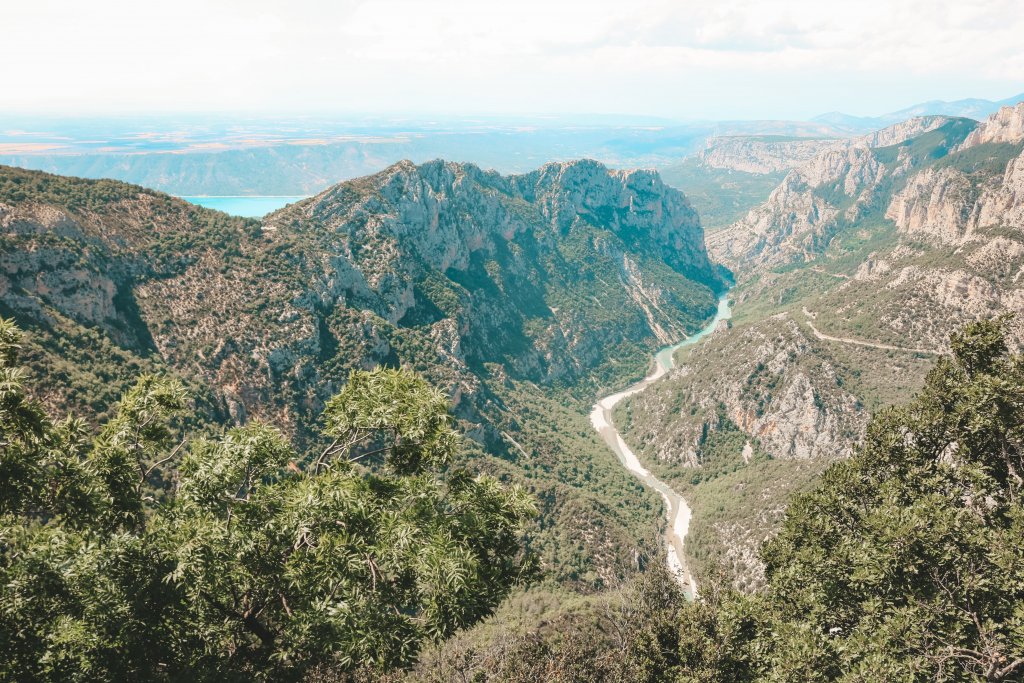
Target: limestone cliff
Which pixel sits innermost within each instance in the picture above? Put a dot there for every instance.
(800, 215)
(902, 131)
(763, 154)
(978, 188)
(838, 187)
(550, 273)
(770, 380)
(749, 417)
(935, 203)
(1006, 125)
(851, 278)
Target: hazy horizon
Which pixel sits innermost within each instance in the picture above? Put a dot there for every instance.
(683, 61)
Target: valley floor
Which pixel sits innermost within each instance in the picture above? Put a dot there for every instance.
(677, 510)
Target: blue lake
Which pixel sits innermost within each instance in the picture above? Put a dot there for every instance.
(248, 207)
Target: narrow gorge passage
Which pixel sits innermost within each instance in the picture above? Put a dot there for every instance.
(677, 511)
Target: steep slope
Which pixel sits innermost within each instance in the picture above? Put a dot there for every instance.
(978, 189)
(794, 418)
(735, 173)
(837, 188)
(1005, 125)
(752, 415)
(516, 294)
(959, 248)
(851, 278)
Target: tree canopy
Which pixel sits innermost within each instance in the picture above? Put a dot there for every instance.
(137, 553)
(907, 563)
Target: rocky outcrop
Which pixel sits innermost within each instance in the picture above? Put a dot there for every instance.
(800, 215)
(498, 245)
(855, 169)
(771, 154)
(937, 204)
(902, 131)
(1001, 203)
(953, 205)
(79, 263)
(769, 379)
(980, 187)
(1000, 256)
(783, 228)
(443, 266)
(763, 154)
(1006, 125)
(839, 187)
(448, 212)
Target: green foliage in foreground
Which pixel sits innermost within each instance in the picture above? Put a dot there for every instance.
(908, 562)
(247, 560)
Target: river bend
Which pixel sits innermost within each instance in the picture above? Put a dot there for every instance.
(677, 511)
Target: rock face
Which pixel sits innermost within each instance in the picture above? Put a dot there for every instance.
(803, 212)
(836, 188)
(770, 380)
(56, 260)
(441, 265)
(514, 294)
(1006, 125)
(1003, 203)
(955, 254)
(869, 257)
(448, 214)
(770, 154)
(982, 189)
(935, 203)
(763, 154)
(748, 417)
(524, 264)
(903, 131)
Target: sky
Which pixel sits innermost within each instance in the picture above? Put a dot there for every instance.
(680, 59)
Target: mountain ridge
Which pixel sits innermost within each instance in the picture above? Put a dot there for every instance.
(519, 296)
(971, 107)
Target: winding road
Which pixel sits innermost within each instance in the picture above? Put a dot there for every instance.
(678, 512)
(810, 316)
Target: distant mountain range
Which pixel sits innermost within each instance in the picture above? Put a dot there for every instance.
(972, 108)
(249, 156)
(303, 158)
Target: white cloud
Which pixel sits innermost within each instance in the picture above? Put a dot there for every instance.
(683, 58)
